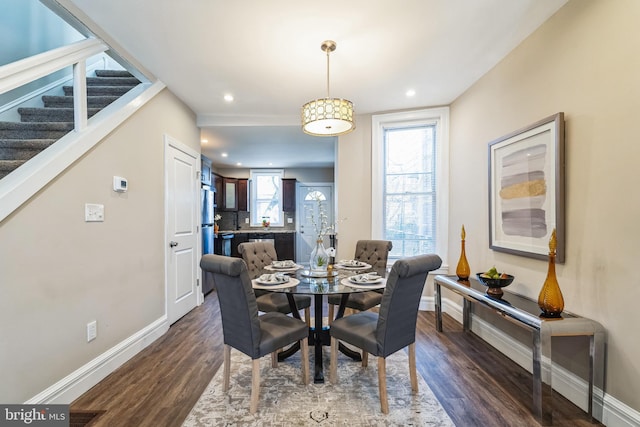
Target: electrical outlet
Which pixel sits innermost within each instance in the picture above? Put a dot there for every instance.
(289, 220)
(92, 330)
(246, 220)
(93, 212)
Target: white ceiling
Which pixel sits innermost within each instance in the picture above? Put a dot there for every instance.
(267, 55)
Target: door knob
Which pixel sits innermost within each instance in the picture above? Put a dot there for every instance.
(173, 244)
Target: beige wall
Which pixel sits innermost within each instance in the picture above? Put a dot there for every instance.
(584, 61)
(57, 273)
(353, 187)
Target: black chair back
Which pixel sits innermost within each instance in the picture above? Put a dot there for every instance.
(399, 307)
(238, 308)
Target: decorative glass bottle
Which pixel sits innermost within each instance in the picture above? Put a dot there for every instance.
(319, 258)
(463, 270)
(550, 299)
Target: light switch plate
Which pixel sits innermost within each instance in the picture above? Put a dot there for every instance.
(93, 212)
(289, 220)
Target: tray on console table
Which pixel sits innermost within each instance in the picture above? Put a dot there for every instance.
(525, 312)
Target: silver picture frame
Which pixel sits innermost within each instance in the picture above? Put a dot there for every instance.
(526, 190)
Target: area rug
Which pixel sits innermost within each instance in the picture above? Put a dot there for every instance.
(284, 401)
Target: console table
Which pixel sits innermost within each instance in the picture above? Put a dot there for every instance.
(526, 313)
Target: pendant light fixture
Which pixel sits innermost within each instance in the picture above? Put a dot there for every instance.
(328, 116)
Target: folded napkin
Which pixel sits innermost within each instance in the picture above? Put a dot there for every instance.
(274, 278)
(283, 264)
(365, 278)
(351, 263)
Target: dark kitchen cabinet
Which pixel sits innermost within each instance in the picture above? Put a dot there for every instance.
(229, 194)
(289, 195)
(217, 184)
(242, 195)
(237, 239)
(285, 245)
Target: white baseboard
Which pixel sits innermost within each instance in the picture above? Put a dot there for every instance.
(612, 412)
(78, 382)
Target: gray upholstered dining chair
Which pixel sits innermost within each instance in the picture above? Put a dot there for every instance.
(375, 253)
(258, 255)
(242, 328)
(393, 328)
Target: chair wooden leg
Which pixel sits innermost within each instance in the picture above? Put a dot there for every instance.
(331, 313)
(307, 317)
(305, 361)
(255, 386)
(226, 369)
(333, 369)
(274, 359)
(382, 384)
(412, 367)
(365, 358)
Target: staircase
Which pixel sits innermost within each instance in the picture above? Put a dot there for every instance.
(40, 127)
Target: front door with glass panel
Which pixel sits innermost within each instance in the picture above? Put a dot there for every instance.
(310, 199)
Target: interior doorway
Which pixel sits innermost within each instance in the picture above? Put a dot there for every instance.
(307, 198)
(182, 213)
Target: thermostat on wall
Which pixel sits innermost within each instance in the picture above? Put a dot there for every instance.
(120, 184)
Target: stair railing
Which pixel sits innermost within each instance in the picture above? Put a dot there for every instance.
(29, 69)
(17, 187)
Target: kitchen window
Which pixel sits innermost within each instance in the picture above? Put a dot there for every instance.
(410, 181)
(266, 197)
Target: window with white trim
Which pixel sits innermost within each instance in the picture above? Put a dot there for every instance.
(410, 181)
(266, 197)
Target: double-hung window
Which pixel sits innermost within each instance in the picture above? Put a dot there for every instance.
(266, 197)
(410, 184)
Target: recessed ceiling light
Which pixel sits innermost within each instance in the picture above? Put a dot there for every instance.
(224, 154)
(238, 164)
(228, 97)
(270, 164)
(204, 141)
(411, 92)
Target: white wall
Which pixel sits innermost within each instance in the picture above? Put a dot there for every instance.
(57, 272)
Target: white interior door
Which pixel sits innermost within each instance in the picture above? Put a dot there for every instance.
(307, 204)
(183, 290)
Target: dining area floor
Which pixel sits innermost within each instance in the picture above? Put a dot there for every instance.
(160, 385)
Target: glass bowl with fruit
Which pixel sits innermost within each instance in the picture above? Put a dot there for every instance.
(494, 281)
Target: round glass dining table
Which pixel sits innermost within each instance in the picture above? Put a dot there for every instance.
(304, 282)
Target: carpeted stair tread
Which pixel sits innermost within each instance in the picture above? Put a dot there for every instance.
(22, 149)
(100, 90)
(50, 114)
(34, 130)
(112, 81)
(113, 73)
(67, 101)
(8, 166)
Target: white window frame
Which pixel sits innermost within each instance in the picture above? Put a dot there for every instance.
(255, 221)
(429, 116)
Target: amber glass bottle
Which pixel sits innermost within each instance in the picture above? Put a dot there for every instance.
(463, 270)
(550, 299)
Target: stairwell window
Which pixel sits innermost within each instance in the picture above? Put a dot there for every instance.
(266, 197)
(410, 181)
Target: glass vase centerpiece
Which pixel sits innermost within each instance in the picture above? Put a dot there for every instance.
(319, 258)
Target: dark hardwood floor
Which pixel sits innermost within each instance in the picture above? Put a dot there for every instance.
(159, 386)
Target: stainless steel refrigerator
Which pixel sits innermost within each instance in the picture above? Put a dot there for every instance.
(207, 197)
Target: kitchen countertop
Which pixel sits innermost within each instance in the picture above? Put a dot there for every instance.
(256, 230)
